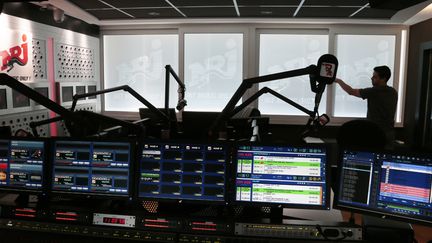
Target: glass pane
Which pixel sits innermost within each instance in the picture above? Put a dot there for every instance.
(285, 52)
(139, 61)
(358, 55)
(213, 69)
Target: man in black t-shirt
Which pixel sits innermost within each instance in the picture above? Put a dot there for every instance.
(381, 100)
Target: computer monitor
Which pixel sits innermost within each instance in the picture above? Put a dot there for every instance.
(92, 167)
(386, 184)
(22, 164)
(282, 176)
(183, 171)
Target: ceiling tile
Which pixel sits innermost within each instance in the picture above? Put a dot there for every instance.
(265, 12)
(86, 4)
(155, 13)
(109, 14)
(180, 3)
(268, 2)
(325, 12)
(137, 3)
(336, 2)
(372, 13)
(209, 12)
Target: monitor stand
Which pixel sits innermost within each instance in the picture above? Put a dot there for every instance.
(256, 213)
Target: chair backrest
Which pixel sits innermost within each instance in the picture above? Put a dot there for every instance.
(155, 124)
(196, 124)
(361, 134)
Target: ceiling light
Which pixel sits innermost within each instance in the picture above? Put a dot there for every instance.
(153, 13)
(266, 12)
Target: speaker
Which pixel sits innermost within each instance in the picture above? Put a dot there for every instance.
(393, 4)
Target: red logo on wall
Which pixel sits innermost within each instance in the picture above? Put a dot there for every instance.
(15, 55)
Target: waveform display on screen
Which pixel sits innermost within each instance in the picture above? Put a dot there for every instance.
(183, 171)
(393, 184)
(281, 175)
(408, 182)
(92, 167)
(21, 164)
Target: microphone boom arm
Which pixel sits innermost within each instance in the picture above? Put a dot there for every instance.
(247, 84)
(126, 88)
(268, 90)
(169, 70)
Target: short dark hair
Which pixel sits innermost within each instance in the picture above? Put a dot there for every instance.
(383, 71)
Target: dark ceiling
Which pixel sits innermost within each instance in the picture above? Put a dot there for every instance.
(150, 9)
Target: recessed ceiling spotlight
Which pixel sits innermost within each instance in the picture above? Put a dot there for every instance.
(266, 12)
(153, 13)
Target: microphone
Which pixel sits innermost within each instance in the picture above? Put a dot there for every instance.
(181, 104)
(327, 67)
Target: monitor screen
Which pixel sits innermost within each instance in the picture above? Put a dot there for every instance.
(282, 175)
(19, 100)
(80, 90)
(43, 91)
(21, 164)
(90, 167)
(67, 93)
(183, 171)
(3, 99)
(388, 184)
(91, 89)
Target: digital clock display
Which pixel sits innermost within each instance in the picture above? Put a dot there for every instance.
(109, 220)
(127, 221)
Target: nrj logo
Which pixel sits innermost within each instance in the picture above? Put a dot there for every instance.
(15, 55)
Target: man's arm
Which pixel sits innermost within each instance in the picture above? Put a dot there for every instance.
(348, 89)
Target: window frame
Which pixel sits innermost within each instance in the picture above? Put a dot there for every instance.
(398, 80)
(212, 29)
(281, 119)
(127, 115)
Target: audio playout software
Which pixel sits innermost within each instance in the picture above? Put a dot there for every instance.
(281, 175)
(388, 183)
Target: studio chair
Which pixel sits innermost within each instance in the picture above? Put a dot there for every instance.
(361, 134)
(358, 134)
